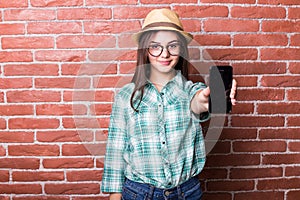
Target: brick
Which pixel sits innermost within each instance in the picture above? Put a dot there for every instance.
(85, 41)
(54, 27)
(7, 83)
(201, 11)
(89, 69)
(12, 110)
(167, 1)
(230, 185)
(84, 13)
(295, 40)
(82, 188)
(125, 12)
(110, 2)
(260, 94)
(231, 25)
(294, 67)
(33, 96)
(20, 188)
(223, 196)
(33, 150)
(19, 163)
(231, 54)
(280, 183)
(259, 68)
(293, 121)
(127, 68)
(55, 3)
(2, 124)
(83, 149)
(221, 147)
(259, 146)
(23, 176)
(279, 133)
(280, 54)
(98, 96)
(112, 55)
(292, 195)
(294, 146)
(33, 123)
(14, 4)
(80, 83)
(111, 82)
(64, 163)
(278, 108)
(111, 27)
(60, 55)
(294, 13)
(12, 29)
(61, 109)
(94, 197)
(29, 14)
(280, 26)
(1, 97)
(247, 81)
(258, 121)
(16, 56)
(31, 70)
(259, 195)
(258, 12)
(279, 2)
(86, 122)
(237, 133)
(44, 197)
(254, 173)
(292, 171)
(84, 175)
(16, 137)
(280, 159)
(280, 81)
(260, 40)
(293, 94)
(4, 176)
(213, 40)
(213, 173)
(232, 160)
(191, 25)
(64, 136)
(229, 1)
(27, 42)
(101, 109)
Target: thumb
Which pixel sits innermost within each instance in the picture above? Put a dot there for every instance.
(206, 92)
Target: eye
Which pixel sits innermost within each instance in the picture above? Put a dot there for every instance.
(154, 47)
(174, 46)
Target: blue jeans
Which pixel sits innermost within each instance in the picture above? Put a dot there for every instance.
(189, 190)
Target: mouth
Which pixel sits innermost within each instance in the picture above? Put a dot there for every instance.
(165, 63)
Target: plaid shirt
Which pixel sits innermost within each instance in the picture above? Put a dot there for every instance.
(161, 144)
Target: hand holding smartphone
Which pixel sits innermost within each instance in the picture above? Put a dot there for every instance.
(220, 83)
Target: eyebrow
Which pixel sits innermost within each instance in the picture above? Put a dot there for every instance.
(168, 42)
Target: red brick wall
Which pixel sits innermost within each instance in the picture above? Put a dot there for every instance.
(60, 62)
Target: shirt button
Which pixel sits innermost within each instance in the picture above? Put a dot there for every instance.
(163, 142)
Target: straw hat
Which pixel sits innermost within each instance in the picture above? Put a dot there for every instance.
(162, 19)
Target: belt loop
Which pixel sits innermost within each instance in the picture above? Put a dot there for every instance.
(151, 191)
(179, 193)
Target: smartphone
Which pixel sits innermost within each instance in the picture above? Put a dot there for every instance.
(220, 83)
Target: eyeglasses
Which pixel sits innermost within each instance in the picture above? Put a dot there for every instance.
(157, 49)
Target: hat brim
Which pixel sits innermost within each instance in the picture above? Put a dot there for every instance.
(187, 36)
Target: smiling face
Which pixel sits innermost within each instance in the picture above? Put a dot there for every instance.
(163, 53)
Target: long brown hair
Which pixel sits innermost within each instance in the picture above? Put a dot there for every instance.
(142, 70)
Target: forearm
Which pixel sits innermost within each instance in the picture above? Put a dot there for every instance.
(115, 196)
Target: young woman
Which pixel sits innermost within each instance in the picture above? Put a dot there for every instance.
(155, 146)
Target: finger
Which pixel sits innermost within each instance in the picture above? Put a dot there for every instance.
(206, 92)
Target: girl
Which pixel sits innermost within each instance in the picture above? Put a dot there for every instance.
(155, 146)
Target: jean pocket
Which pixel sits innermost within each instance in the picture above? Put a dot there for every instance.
(128, 194)
(195, 193)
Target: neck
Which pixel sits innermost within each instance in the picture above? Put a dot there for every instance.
(161, 79)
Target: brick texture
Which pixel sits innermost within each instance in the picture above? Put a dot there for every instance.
(62, 62)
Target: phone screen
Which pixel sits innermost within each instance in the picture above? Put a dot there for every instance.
(220, 83)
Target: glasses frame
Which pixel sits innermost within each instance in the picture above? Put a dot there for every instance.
(166, 47)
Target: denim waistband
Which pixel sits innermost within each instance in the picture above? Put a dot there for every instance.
(146, 188)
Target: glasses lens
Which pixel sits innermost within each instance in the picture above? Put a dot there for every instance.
(174, 49)
(155, 50)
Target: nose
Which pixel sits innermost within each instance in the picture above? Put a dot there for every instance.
(165, 53)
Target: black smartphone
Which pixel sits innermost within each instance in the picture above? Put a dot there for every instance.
(220, 83)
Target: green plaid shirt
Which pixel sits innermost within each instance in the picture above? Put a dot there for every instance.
(161, 144)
